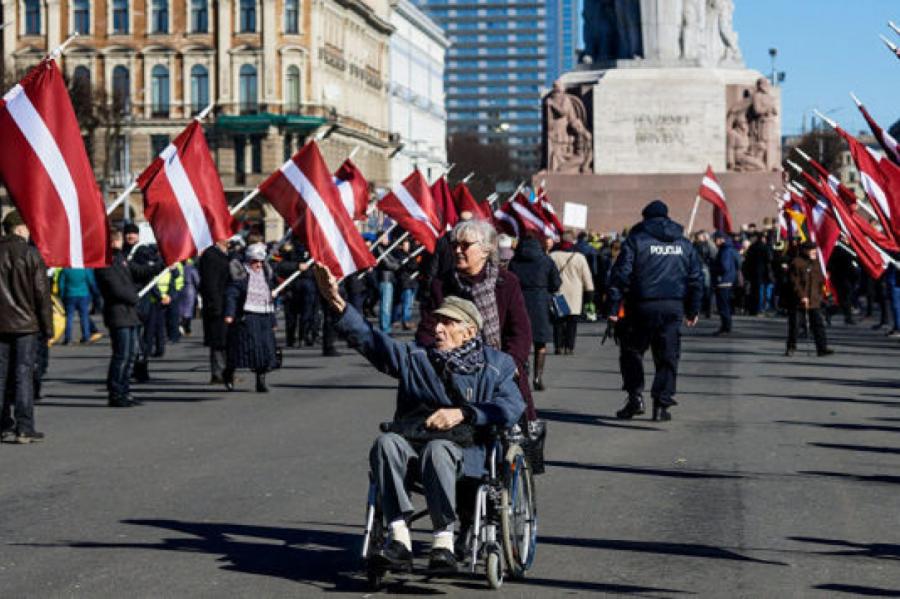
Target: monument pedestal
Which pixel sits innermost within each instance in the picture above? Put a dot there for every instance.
(615, 201)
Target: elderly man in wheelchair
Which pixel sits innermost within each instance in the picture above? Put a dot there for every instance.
(450, 395)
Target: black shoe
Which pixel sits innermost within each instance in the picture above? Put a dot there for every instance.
(634, 407)
(215, 380)
(394, 556)
(29, 437)
(141, 372)
(133, 400)
(825, 352)
(661, 410)
(331, 353)
(261, 383)
(117, 401)
(228, 380)
(441, 561)
(789, 352)
(538, 384)
(721, 333)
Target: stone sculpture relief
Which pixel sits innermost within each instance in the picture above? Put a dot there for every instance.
(752, 137)
(569, 142)
(707, 32)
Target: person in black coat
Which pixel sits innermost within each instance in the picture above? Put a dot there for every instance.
(758, 266)
(301, 298)
(214, 278)
(539, 279)
(118, 287)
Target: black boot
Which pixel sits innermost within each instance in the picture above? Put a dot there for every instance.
(539, 359)
(661, 409)
(141, 371)
(118, 401)
(261, 383)
(228, 379)
(633, 407)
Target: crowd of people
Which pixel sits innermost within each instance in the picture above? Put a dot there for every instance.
(532, 292)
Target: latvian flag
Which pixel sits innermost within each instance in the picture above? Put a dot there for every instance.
(548, 212)
(505, 220)
(466, 202)
(47, 172)
(183, 198)
(354, 189)
(411, 205)
(531, 217)
(304, 193)
(711, 191)
(443, 203)
(887, 141)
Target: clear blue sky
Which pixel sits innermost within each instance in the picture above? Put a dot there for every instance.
(828, 48)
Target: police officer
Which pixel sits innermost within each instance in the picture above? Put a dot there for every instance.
(658, 275)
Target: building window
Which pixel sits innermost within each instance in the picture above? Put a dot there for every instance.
(159, 17)
(199, 16)
(32, 17)
(121, 89)
(120, 16)
(199, 88)
(81, 77)
(292, 90)
(159, 91)
(81, 16)
(256, 154)
(239, 159)
(247, 90)
(158, 143)
(291, 16)
(248, 16)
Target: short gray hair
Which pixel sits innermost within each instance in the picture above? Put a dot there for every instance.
(481, 232)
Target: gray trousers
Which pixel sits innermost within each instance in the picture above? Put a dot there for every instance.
(440, 464)
(216, 362)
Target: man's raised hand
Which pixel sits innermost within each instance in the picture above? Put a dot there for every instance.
(328, 287)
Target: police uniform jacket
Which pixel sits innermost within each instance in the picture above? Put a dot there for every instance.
(657, 263)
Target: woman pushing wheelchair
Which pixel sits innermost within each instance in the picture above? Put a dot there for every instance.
(448, 394)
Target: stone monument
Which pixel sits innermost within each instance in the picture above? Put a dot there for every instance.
(661, 92)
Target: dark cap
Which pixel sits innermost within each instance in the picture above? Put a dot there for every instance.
(719, 235)
(12, 220)
(131, 228)
(807, 245)
(655, 209)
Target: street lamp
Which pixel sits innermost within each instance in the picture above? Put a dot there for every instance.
(777, 76)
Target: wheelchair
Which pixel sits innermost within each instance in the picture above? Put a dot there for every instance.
(498, 533)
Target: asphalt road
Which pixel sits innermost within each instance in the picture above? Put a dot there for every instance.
(777, 478)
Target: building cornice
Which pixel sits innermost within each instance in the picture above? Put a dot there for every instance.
(422, 21)
(363, 10)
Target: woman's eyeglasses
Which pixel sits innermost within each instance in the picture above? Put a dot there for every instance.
(463, 245)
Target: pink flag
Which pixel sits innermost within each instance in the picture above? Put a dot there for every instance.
(47, 172)
(711, 191)
(183, 198)
(354, 189)
(411, 205)
(304, 193)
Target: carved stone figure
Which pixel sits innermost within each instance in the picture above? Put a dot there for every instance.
(763, 120)
(727, 35)
(569, 143)
(628, 17)
(693, 29)
(742, 153)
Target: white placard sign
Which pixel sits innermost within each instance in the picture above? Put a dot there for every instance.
(575, 215)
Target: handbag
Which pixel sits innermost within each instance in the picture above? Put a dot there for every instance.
(559, 307)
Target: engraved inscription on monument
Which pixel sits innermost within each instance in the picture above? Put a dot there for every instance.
(661, 129)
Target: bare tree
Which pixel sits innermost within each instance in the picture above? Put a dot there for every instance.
(490, 163)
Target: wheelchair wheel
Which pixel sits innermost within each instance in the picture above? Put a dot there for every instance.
(518, 514)
(375, 577)
(494, 567)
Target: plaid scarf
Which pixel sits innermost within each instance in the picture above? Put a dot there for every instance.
(484, 294)
(465, 359)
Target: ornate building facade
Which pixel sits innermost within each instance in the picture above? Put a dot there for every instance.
(277, 70)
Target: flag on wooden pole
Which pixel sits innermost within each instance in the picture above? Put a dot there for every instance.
(353, 188)
(411, 205)
(711, 191)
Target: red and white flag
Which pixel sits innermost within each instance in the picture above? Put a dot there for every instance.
(880, 178)
(47, 173)
(304, 193)
(530, 218)
(822, 227)
(548, 212)
(887, 141)
(183, 198)
(443, 202)
(505, 220)
(466, 202)
(411, 205)
(353, 188)
(872, 258)
(711, 191)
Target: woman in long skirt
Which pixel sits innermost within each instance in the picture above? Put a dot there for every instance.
(250, 316)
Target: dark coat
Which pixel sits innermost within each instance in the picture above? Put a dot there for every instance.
(805, 280)
(214, 278)
(657, 263)
(492, 393)
(758, 263)
(724, 268)
(539, 279)
(119, 290)
(24, 291)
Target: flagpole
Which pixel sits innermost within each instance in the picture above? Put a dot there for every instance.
(237, 207)
(202, 114)
(693, 215)
(413, 255)
(492, 198)
(894, 27)
(467, 178)
(891, 45)
(353, 152)
(122, 197)
(290, 279)
(57, 52)
(153, 282)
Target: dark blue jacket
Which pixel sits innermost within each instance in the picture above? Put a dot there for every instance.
(657, 262)
(724, 269)
(492, 392)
